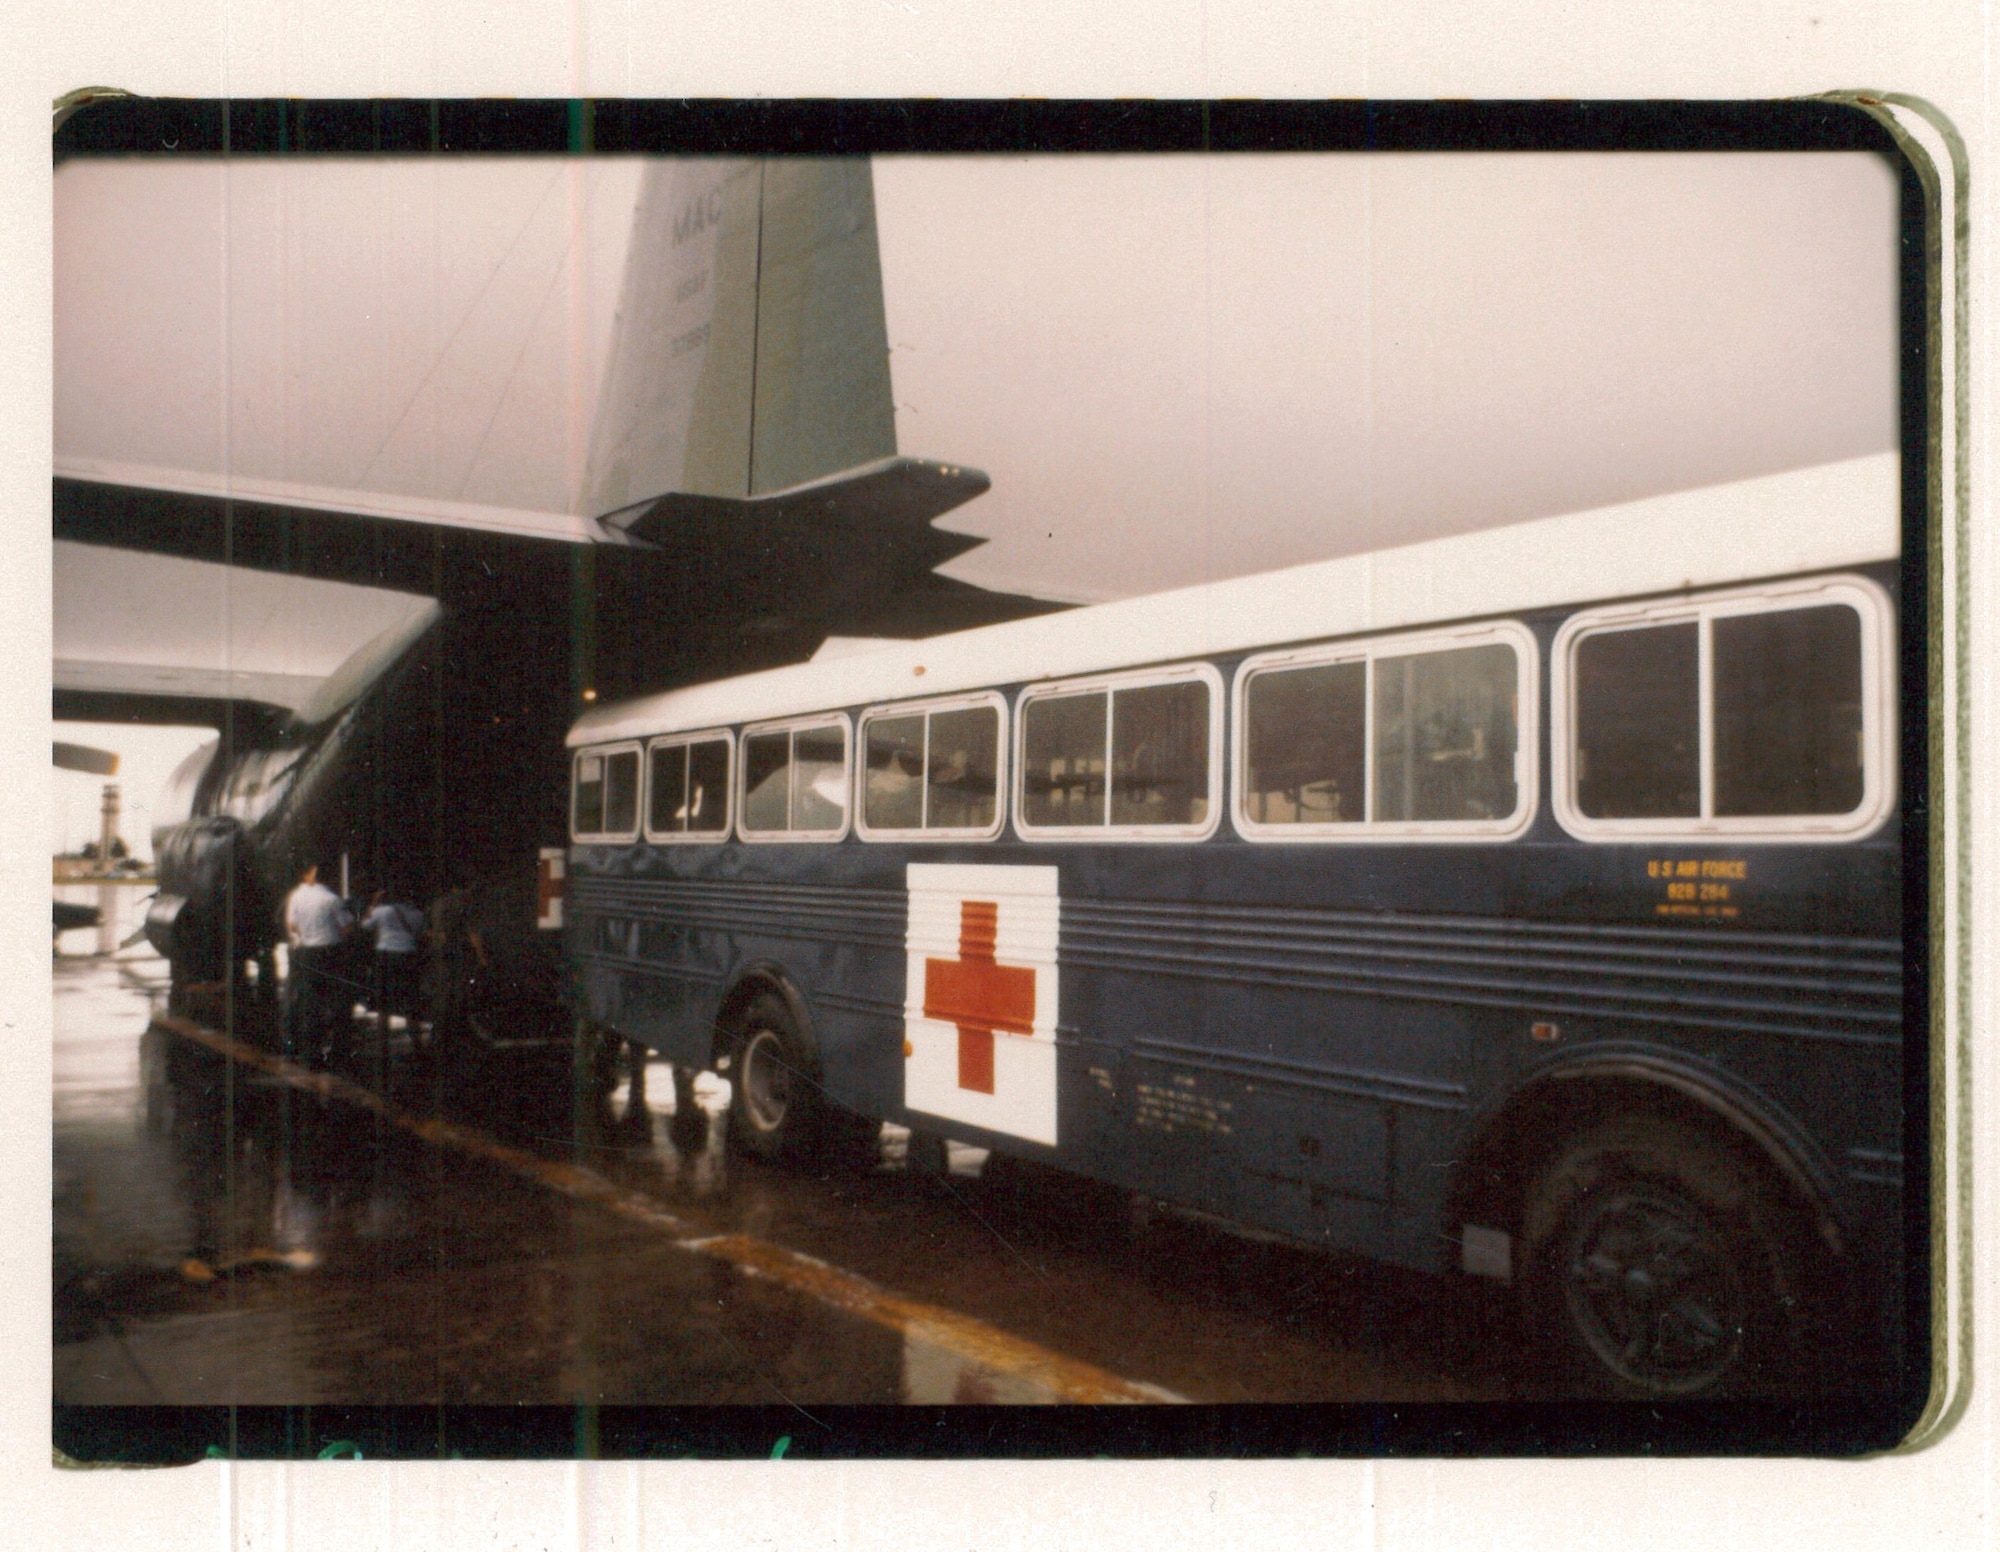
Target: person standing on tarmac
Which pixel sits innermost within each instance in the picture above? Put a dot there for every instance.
(397, 928)
(317, 921)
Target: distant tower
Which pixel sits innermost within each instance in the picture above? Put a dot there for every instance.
(108, 836)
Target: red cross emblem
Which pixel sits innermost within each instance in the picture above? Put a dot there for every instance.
(978, 995)
(549, 872)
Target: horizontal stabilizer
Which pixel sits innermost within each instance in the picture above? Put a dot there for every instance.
(891, 501)
(81, 757)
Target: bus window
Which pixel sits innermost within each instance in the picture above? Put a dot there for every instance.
(1739, 713)
(1638, 753)
(1402, 733)
(893, 794)
(1062, 760)
(587, 815)
(1159, 754)
(933, 771)
(1788, 712)
(606, 797)
(1133, 759)
(621, 792)
(962, 769)
(1444, 735)
(708, 787)
(767, 759)
(668, 809)
(1306, 732)
(688, 791)
(795, 781)
(819, 778)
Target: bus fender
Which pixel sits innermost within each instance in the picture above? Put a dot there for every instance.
(762, 975)
(1505, 1145)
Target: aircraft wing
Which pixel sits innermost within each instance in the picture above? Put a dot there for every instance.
(684, 588)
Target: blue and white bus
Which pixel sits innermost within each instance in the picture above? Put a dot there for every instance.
(1526, 904)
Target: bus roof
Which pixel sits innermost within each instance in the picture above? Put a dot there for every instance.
(1815, 519)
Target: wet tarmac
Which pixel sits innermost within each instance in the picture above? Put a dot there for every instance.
(230, 1230)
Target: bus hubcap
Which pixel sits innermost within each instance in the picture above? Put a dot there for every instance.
(767, 1081)
(1653, 1290)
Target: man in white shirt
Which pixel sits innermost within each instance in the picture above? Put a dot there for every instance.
(317, 921)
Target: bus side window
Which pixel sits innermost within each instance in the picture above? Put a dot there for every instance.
(819, 778)
(1744, 712)
(893, 792)
(1638, 737)
(668, 804)
(932, 771)
(767, 759)
(689, 791)
(1444, 735)
(621, 791)
(1159, 754)
(1062, 759)
(1306, 730)
(1787, 719)
(962, 774)
(587, 813)
(707, 799)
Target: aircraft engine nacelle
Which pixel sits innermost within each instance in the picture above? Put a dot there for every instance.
(211, 910)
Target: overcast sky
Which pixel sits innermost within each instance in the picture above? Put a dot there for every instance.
(1174, 368)
(1179, 368)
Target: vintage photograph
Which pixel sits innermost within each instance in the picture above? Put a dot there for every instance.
(799, 790)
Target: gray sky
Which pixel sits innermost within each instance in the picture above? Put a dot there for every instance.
(1182, 368)
(422, 328)
(1174, 368)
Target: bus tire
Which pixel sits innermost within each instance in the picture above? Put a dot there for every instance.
(774, 1109)
(1658, 1265)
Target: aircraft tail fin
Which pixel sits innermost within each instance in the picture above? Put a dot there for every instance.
(751, 351)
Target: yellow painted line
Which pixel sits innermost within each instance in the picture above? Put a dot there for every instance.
(1066, 1379)
(570, 1180)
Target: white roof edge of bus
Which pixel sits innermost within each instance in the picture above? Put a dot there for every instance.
(1814, 519)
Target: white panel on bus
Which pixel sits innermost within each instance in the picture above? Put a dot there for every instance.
(980, 1000)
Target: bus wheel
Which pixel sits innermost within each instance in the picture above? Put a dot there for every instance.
(772, 1105)
(1657, 1266)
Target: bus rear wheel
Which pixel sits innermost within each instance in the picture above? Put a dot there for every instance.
(1659, 1266)
(773, 1102)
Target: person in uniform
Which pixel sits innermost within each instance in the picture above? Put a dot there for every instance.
(397, 930)
(317, 921)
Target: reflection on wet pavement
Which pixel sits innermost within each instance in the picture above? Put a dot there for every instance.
(223, 1235)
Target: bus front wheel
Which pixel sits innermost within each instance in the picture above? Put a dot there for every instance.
(1659, 1266)
(772, 1099)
